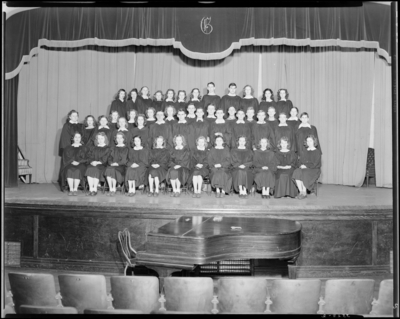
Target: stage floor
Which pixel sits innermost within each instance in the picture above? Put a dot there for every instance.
(330, 197)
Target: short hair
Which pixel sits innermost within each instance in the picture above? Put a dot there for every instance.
(73, 136)
(251, 108)
(129, 114)
(183, 139)
(232, 84)
(240, 110)
(190, 105)
(177, 95)
(150, 108)
(86, 118)
(233, 108)
(286, 94)
(173, 108)
(155, 141)
(263, 98)
(261, 111)
(96, 143)
(271, 107)
(110, 117)
(173, 94)
(202, 138)
(133, 140)
(130, 93)
(210, 83)
(191, 94)
(244, 89)
(220, 109)
(126, 122)
(223, 140)
(283, 138)
(304, 113)
(70, 113)
(158, 91)
(212, 105)
(119, 133)
(200, 108)
(181, 110)
(314, 138)
(268, 143)
(159, 111)
(282, 113)
(142, 116)
(103, 116)
(119, 91)
(237, 140)
(294, 107)
(148, 90)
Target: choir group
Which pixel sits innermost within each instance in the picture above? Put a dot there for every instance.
(182, 141)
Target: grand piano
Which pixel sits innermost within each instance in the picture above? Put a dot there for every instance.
(197, 240)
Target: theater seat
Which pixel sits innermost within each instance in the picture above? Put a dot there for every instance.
(111, 311)
(384, 304)
(33, 289)
(348, 296)
(84, 291)
(135, 292)
(295, 296)
(41, 310)
(242, 295)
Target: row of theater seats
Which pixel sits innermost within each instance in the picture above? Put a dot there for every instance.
(36, 293)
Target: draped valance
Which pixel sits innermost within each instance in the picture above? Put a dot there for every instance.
(200, 33)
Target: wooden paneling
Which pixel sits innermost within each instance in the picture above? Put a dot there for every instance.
(20, 228)
(384, 242)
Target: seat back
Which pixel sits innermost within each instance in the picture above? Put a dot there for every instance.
(111, 311)
(39, 310)
(33, 289)
(135, 292)
(384, 304)
(83, 291)
(188, 294)
(241, 295)
(349, 296)
(295, 296)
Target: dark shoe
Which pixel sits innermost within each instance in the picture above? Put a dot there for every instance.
(94, 193)
(303, 196)
(87, 193)
(112, 194)
(244, 196)
(198, 195)
(178, 194)
(149, 194)
(172, 194)
(267, 196)
(222, 195)
(75, 193)
(70, 194)
(156, 194)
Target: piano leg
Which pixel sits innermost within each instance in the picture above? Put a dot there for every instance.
(30, 178)
(163, 272)
(292, 267)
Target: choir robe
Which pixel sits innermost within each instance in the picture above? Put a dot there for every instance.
(67, 133)
(198, 157)
(171, 123)
(231, 122)
(191, 120)
(108, 131)
(119, 106)
(223, 128)
(199, 128)
(167, 103)
(137, 174)
(118, 154)
(283, 106)
(150, 122)
(211, 99)
(181, 105)
(242, 176)
(281, 131)
(227, 101)
(262, 177)
(163, 130)
(210, 120)
(263, 130)
(284, 185)
(144, 135)
(143, 104)
(246, 103)
(87, 138)
(131, 126)
(264, 105)
(197, 103)
(274, 124)
(131, 105)
(100, 154)
(309, 175)
(301, 135)
(70, 154)
(294, 124)
(182, 158)
(220, 177)
(160, 156)
(240, 129)
(251, 124)
(128, 137)
(113, 126)
(158, 105)
(182, 129)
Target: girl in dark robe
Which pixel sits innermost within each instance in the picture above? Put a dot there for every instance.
(262, 129)
(138, 163)
(219, 161)
(198, 166)
(267, 100)
(158, 101)
(102, 127)
(309, 167)
(113, 120)
(286, 164)
(242, 160)
(231, 119)
(250, 121)
(74, 165)
(211, 97)
(159, 158)
(210, 119)
(170, 113)
(122, 127)
(195, 98)
(293, 120)
(182, 127)
(117, 160)
(169, 100)
(284, 105)
(132, 119)
(150, 116)
(181, 100)
(119, 103)
(284, 130)
(264, 162)
(191, 113)
(240, 128)
(179, 165)
(198, 128)
(142, 130)
(272, 119)
(302, 131)
(230, 99)
(89, 130)
(132, 100)
(97, 162)
(68, 130)
(248, 99)
(220, 128)
(144, 101)
(161, 128)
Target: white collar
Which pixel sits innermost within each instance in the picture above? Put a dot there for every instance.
(211, 117)
(195, 99)
(182, 122)
(122, 129)
(199, 120)
(219, 148)
(280, 124)
(305, 125)
(191, 117)
(291, 118)
(138, 149)
(73, 122)
(120, 145)
(100, 127)
(219, 121)
(181, 101)
(73, 145)
(248, 98)
(163, 122)
(180, 148)
(232, 95)
(101, 145)
(169, 100)
(240, 122)
(309, 149)
(261, 122)
(201, 149)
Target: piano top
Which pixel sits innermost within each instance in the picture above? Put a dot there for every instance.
(199, 227)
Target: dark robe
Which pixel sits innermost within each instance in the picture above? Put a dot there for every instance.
(301, 135)
(309, 175)
(220, 177)
(70, 154)
(274, 124)
(198, 157)
(211, 99)
(251, 124)
(284, 185)
(137, 174)
(199, 128)
(131, 126)
(294, 124)
(144, 134)
(113, 126)
(166, 103)
(164, 130)
(128, 138)
(227, 101)
(158, 105)
(241, 129)
(264, 178)
(143, 104)
(67, 133)
(197, 103)
(181, 105)
(119, 106)
(182, 129)
(264, 105)
(150, 122)
(88, 134)
(191, 120)
(242, 176)
(223, 128)
(106, 131)
(281, 131)
(119, 155)
(130, 105)
(283, 106)
(263, 130)
(182, 158)
(160, 156)
(210, 120)
(246, 103)
(100, 154)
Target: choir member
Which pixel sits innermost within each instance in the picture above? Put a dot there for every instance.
(73, 165)
(240, 128)
(220, 128)
(219, 161)
(191, 113)
(158, 164)
(113, 120)
(309, 167)
(267, 100)
(179, 165)
(119, 103)
(131, 119)
(160, 128)
(144, 101)
(242, 160)
(283, 129)
(141, 129)
(272, 119)
(195, 98)
(102, 127)
(231, 119)
(150, 116)
(262, 129)
(169, 99)
(302, 131)
(230, 99)
(181, 100)
(158, 101)
(97, 161)
(122, 127)
(117, 160)
(170, 112)
(89, 130)
(132, 100)
(210, 114)
(264, 162)
(293, 120)
(250, 113)
(199, 165)
(182, 127)
(199, 128)
(68, 130)
(138, 162)
(284, 104)
(286, 164)
(211, 97)
(248, 99)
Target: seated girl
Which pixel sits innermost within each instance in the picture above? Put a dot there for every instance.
(199, 165)
(159, 158)
(138, 162)
(242, 160)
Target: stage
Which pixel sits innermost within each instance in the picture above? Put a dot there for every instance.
(346, 231)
